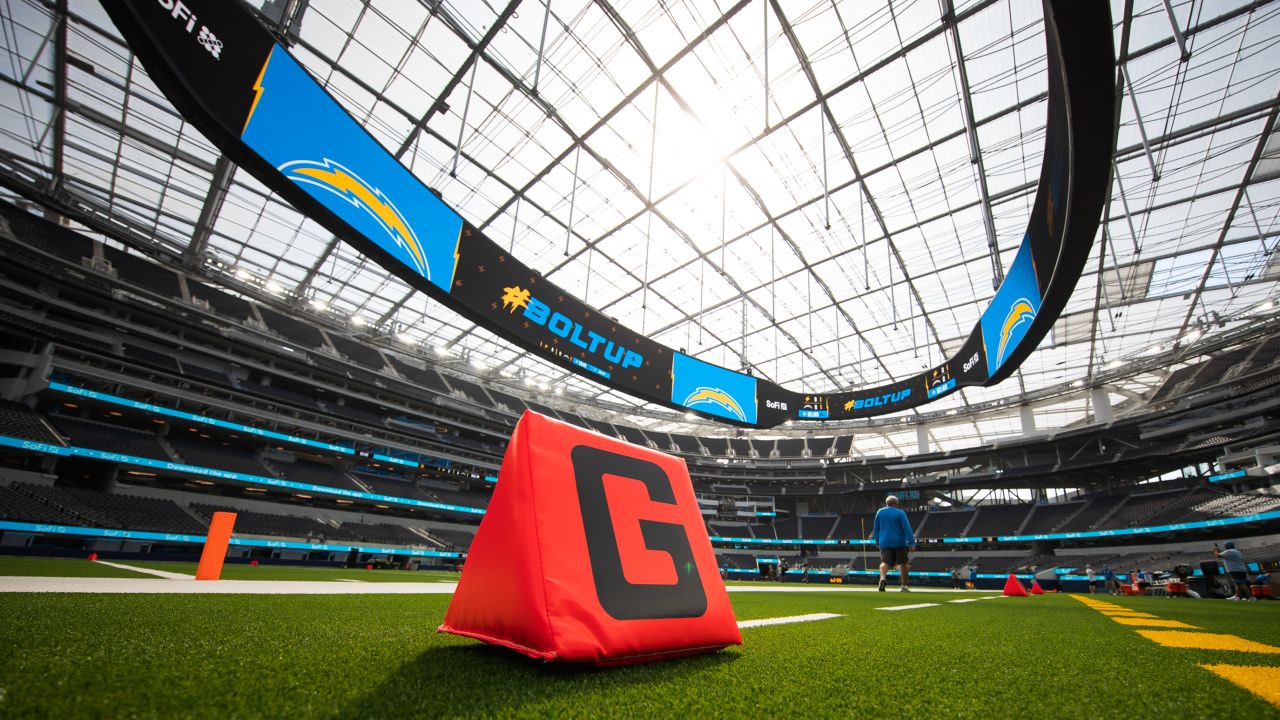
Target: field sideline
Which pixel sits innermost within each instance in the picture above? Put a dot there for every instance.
(378, 655)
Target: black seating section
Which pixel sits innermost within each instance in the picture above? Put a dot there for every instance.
(315, 473)
(302, 333)
(109, 438)
(283, 394)
(762, 489)
(1047, 518)
(357, 352)
(542, 409)
(1137, 508)
(851, 527)
(843, 444)
(194, 371)
(603, 428)
(222, 303)
(716, 446)
(1176, 384)
(728, 530)
(1215, 370)
(1180, 506)
(997, 520)
(936, 563)
(914, 518)
(946, 524)
(634, 435)
(764, 448)
(740, 446)
(819, 446)
(737, 561)
(788, 528)
(258, 523)
(143, 273)
(206, 452)
(686, 444)
(385, 533)
(465, 498)
(762, 531)
(470, 389)
(790, 447)
(57, 334)
(512, 403)
(356, 413)
(817, 527)
(23, 507)
(18, 422)
(117, 510)
(47, 236)
(151, 357)
(457, 539)
(392, 486)
(426, 378)
(1097, 509)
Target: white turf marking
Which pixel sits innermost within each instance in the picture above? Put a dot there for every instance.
(965, 600)
(775, 588)
(786, 620)
(909, 607)
(148, 571)
(219, 587)
(349, 580)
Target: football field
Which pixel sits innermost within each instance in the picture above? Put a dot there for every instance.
(944, 654)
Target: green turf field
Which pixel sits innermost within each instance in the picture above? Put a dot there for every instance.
(379, 656)
(60, 567)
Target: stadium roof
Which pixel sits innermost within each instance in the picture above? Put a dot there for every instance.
(678, 164)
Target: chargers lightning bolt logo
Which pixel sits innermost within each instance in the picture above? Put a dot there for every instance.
(715, 396)
(1020, 312)
(344, 183)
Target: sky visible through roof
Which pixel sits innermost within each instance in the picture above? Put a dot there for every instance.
(787, 188)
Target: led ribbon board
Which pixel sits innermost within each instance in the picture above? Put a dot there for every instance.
(228, 76)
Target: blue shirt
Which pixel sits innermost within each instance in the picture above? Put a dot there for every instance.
(1233, 561)
(891, 529)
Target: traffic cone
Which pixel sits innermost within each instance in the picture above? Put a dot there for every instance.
(1035, 588)
(1013, 588)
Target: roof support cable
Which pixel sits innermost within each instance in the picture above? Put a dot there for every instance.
(573, 201)
(1128, 215)
(648, 229)
(971, 135)
(60, 98)
(1184, 53)
(1115, 265)
(766, 64)
(542, 45)
(866, 246)
(466, 109)
(826, 186)
(515, 223)
(1142, 129)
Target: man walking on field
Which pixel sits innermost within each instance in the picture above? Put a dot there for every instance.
(892, 534)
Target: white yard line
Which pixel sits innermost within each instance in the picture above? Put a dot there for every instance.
(909, 607)
(786, 620)
(349, 580)
(776, 588)
(219, 587)
(965, 600)
(148, 571)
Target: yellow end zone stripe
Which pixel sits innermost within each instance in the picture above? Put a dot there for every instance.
(1261, 681)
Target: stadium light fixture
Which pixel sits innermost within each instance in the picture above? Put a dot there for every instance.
(273, 287)
(406, 338)
(318, 306)
(477, 363)
(358, 321)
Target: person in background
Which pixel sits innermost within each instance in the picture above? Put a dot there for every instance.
(1233, 562)
(892, 534)
(1141, 581)
(1109, 577)
(1093, 579)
